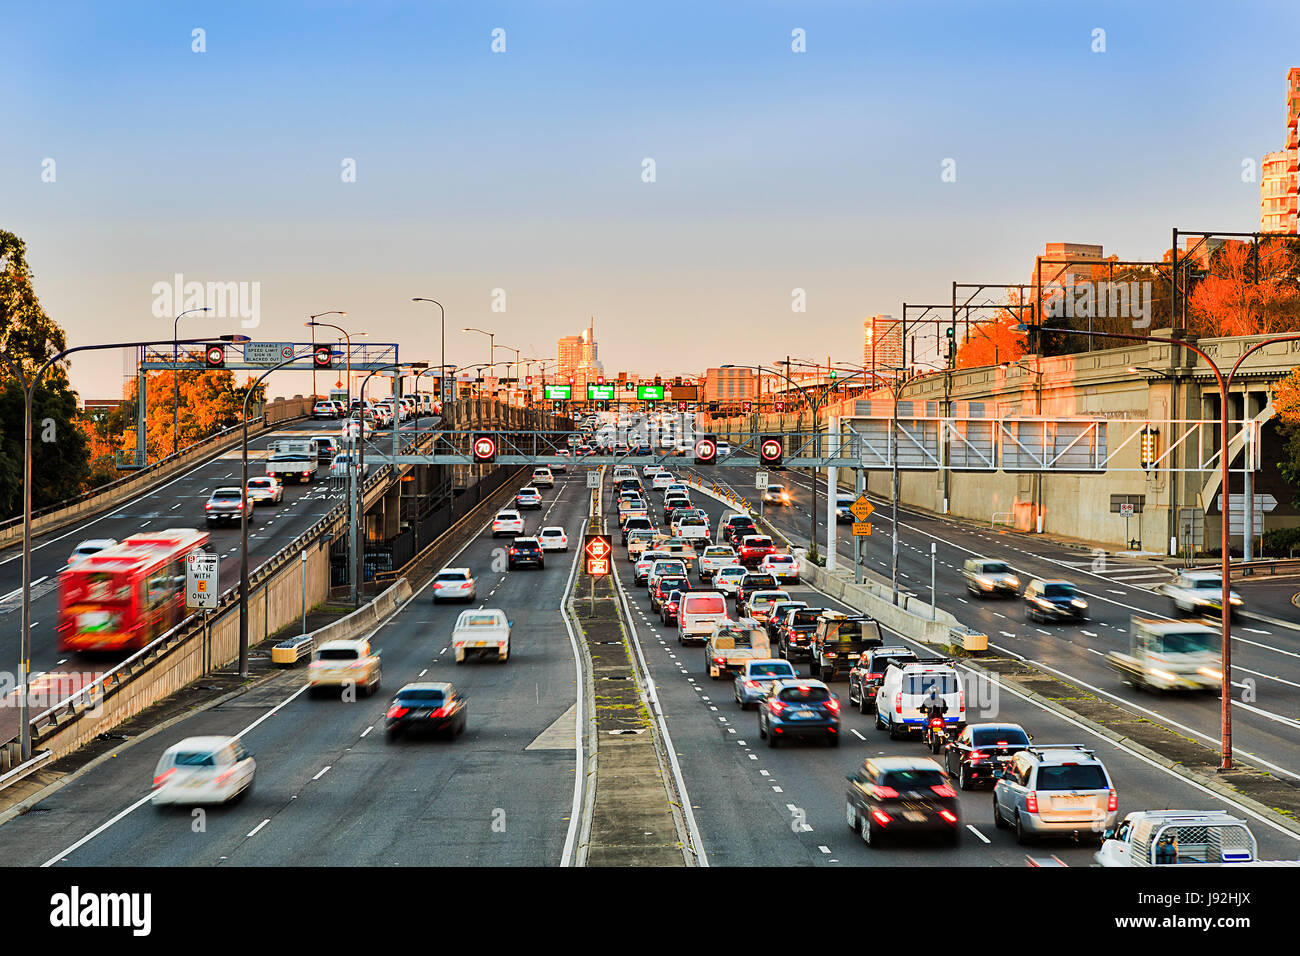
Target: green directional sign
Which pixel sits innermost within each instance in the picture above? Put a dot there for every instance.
(560, 393)
(649, 393)
(600, 393)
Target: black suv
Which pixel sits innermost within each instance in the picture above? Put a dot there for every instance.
(892, 794)
(866, 677)
(525, 551)
(794, 633)
(737, 526)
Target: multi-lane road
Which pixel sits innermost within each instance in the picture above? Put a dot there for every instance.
(331, 790)
(1266, 657)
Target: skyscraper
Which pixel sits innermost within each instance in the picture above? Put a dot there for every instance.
(1278, 175)
(577, 357)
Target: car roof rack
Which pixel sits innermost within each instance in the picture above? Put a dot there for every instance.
(1081, 748)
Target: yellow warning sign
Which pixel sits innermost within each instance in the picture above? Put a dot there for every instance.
(862, 509)
(862, 528)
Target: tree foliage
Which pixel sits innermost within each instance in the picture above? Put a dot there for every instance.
(1251, 289)
(1286, 402)
(209, 402)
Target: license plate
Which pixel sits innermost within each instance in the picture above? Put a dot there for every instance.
(802, 714)
(914, 816)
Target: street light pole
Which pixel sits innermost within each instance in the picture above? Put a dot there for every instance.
(29, 397)
(442, 359)
(176, 382)
(311, 324)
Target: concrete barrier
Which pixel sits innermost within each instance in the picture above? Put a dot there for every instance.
(365, 618)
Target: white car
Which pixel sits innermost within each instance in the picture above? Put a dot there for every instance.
(202, 770)
(87, 548)
(714, 557)
(482, 633)
(662, 480)
(724, 449)
(265, 491)
(355, 428)
(339, 466)
(507, 522)
(543, 478)
(783, 567)
(554, 539)
(727, 579)
(777, 495)
(453, 584)
(528, 497)
(561, 467)
(324, 410)
(1200, 592)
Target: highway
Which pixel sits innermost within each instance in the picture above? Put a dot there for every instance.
(1266, 658)
(177, 503)
(330, 791)
(758, 806)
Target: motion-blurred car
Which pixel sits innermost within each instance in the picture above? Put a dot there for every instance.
(1200, 592)
(343, 664)
(776, 495)
(561, 467)
(202, 770)
(553, 538)
(227, 505)
(453, 584)
(265, 491)
(985, 576)
(799, 708)
(427, 708)
(755, 677)
(89, 547)
(1051, 601)
(888, 795)
(507, 522)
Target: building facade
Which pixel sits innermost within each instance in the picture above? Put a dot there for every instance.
(1278, 172)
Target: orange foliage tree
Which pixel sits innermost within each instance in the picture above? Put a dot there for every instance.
(1251, 290)
(1286, 401)
(992, 342)
(209, 402)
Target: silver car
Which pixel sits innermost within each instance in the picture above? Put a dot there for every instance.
(753, 680)
(1055, 790)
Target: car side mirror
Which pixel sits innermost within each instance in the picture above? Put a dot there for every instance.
(1108, 833)
(510, 623)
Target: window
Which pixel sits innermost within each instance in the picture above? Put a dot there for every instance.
(799, 695)
(919, 779)
(993, 736)
(1071, 777)
(921, 683)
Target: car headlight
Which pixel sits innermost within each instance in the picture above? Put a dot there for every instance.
(1079, 603)
(1234, 600)
(1043, 602)
(985, 582)
(1013, 581)
(1210, 672)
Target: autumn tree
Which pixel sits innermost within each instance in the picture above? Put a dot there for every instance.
(209, 402)
(1286, 403)
(995, 341)
(29, 338)
(1250, 289)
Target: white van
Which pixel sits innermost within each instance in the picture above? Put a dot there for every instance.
(906, 688)
(700, 612)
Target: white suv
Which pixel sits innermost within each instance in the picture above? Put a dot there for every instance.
(507, 522)
(906, 688)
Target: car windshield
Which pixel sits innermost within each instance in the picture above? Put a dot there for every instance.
(706, 604)
(998, 736)
(259, 483)
(806, 618)
(668, 584)
(919, 779)
(850, 631)
(921, 683)
(779, 559)
(759, 581)
(452, 576)
(771, 670)
(799, 695)
(420, 696)
(1079, 776)
(226, 494)
(1058, 590)
(195, 759)
(1193, 642)
(754, 541)
(1208, 584)
(995, 567)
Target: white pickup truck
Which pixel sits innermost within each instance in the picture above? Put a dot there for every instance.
(344, 664)
(1177, 837)
(481, 633)
(693, 528)
(1200, 592)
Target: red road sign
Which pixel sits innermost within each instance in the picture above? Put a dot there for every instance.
(485, 448)
(598, 550)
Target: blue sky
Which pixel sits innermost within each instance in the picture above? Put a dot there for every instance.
(522, 170)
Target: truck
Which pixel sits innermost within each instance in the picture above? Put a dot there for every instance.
(733, 644)
(693, 528)
(292, 460)
(1177, 838)
(839, 640)
(483, 632)
(1169, 655)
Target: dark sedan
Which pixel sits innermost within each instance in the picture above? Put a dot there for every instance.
(981, 749)
(525, 551)
(868, 674)
(432, 707)
(888, 795)
(1049, 601)
(799, 708)
(668, 610)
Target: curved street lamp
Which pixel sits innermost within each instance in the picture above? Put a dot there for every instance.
(176, 382)
(311, 324)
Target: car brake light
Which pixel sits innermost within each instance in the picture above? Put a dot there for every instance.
(777, 706)
(719, 660)
(898, 703)
(162, 778)
(961, 701)
(439, 712)
(395, 712)
(948, 815)
(1031, 802)
(881, 817)
(976, 755)
(873, 676)
(943, 790)
(833, 705)
(1112, 802)
(884, 793)
(514, 550)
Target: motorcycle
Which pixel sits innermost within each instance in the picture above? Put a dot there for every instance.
(935, 734)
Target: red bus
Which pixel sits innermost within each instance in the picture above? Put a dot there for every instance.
(125, 596)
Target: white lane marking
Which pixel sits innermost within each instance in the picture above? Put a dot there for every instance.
(367, 730)
(1089, 633)
(854, 732)
(825, 849)
(323, 772)
(17, 591)
(426, 670)
(253, 832)
(977, 833)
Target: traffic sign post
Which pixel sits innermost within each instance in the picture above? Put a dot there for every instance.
(201, 586)
(862, 509)
(862, 528)
(597, 552)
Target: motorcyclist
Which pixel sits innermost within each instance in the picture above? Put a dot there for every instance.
(933, 707)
